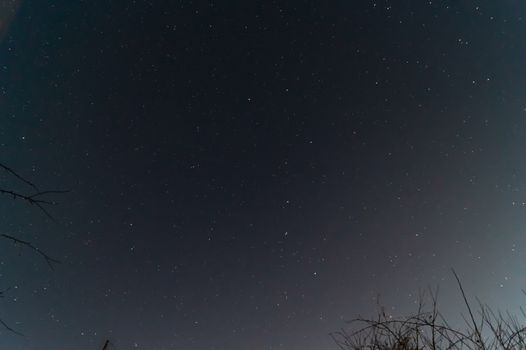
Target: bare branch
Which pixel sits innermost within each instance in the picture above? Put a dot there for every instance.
(49, 260)
(38, 199)
(15, 174)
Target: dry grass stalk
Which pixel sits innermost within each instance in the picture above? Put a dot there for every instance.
(427, 329)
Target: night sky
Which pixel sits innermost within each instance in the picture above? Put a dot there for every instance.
(251, 174)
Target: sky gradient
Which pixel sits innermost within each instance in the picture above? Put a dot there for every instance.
(248, 175)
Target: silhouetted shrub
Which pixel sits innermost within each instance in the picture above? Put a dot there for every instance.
(427, 329)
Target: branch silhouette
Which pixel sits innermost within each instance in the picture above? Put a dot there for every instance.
(428, 329)
(49, 260)
(35, 197)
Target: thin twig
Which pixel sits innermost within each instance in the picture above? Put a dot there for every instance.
(15, 174)
(49, 260)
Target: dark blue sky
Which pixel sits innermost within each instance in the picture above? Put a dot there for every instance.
(249, 175)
